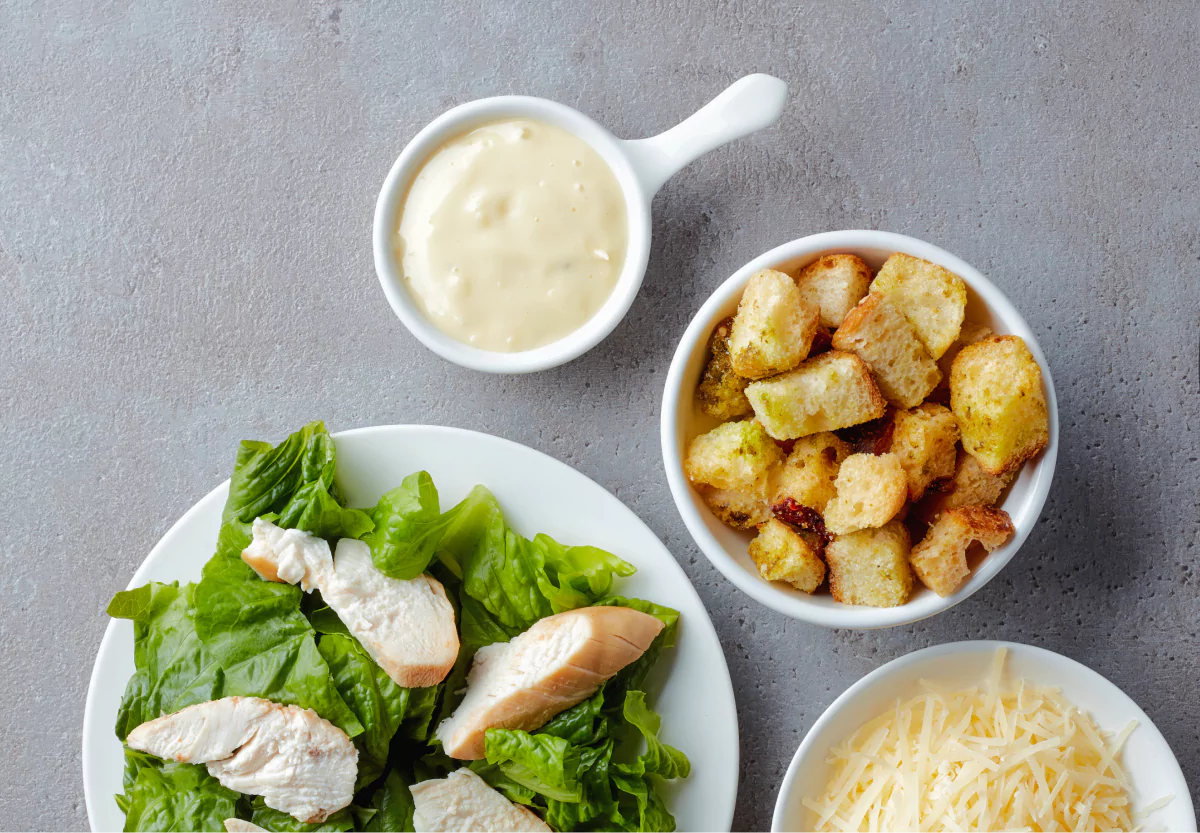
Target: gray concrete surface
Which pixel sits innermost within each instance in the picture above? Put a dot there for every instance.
(185, 198)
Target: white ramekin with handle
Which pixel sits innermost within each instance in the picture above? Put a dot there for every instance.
(641, 167)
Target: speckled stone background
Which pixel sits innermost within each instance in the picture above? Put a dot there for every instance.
(186, 192)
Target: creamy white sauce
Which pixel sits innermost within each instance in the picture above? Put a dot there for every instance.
(513, 235)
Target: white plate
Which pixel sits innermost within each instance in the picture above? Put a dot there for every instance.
(1147, 757)
(538, 494)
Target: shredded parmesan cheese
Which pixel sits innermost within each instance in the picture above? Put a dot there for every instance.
(996, 759)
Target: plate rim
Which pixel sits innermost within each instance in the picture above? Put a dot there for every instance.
(721, 681)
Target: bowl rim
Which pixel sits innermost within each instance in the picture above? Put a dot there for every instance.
(457, 121)
(791, 602)
(888, 669)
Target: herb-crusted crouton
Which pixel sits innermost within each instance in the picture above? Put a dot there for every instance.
(870, 490)
(740, 510)
(879, 335)
(829, 391)
(835, 283)
(810, 470)
(940, 560)
(783, 554)
(737, 456)
(969, 486)
(933, 299)
(773, 328)
(997, 397)
(722, 392)
(870, 567)
(925, 440)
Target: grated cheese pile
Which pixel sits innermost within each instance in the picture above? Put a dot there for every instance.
(1023, 759)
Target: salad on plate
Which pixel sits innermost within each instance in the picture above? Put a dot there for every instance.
(398, 667)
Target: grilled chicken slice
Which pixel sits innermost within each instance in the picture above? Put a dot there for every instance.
(239, 826)
(297, 761)
(558, 662)
(406, 626)
(462, 801)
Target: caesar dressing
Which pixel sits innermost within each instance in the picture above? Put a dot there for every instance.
(513, 235)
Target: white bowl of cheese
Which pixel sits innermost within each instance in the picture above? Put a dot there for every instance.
(1158, 796)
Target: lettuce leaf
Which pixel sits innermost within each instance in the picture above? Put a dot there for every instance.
(172, 668)
(597, 802)
(266, 478)
(377, 702)
(349, 819)
(419, 714)
(178, 797)
(546, 764)
(408, 526)
(392, 803)
(659, 758)
(479, 627)
(519, 581)
(580, 724)
(313, 509)
(641, 801)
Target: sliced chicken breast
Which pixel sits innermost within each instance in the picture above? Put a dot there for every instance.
(297, 761)
(462, 801)
(406, 626)
(557, 663)
(239, 826)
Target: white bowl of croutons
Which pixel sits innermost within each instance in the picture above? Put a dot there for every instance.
(859, 429)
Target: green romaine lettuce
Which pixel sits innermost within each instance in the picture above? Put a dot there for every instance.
(598, 803)
(409, 525)
(546, 764)
(392, 803)
(266, 478)
(315, 511)
(519, 581)
(178, 797)
(580, 724)
(172, 668)
(659, 758)
(377, 702)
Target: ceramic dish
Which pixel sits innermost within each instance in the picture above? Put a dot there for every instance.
(539, 494)
(1147, 758)
(682, 420)
(641, 167)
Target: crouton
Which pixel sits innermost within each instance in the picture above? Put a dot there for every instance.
(933, 299)
(969, 334)
(783, 554)
(773, 328)
(740, 510)
(879, 335)
(925, 439)
(722, 392)
(997, 397)
(870, 567)
(870, 490)
(736, 456)
(835, 283)
(832, 390)
(940, 560)
(969, 486)
(808, 474)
